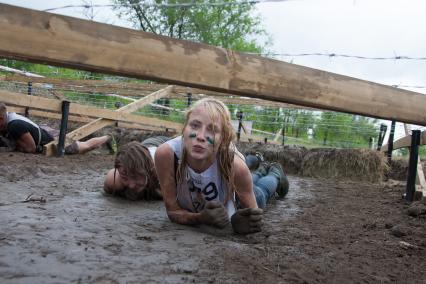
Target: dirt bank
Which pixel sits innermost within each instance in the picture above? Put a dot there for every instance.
(325, 231)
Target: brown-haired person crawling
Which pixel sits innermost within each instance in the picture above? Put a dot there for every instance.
(134, 176)
(28, 137)
(205, 180)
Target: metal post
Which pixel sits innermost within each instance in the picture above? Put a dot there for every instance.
(30, 92)
(370, 143)
(412, 165)
(240, 124)
(283, 130)
(64, 123)
(382, 133)
(189, 99)
(390, 141)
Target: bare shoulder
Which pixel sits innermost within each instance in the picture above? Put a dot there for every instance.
(244, 183)
(240, 167)
(163, 152)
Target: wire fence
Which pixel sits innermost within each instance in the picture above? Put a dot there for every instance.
(266, 121)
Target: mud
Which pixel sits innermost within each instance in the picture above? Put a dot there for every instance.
(324, 231)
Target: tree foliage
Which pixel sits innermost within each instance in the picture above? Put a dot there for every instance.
(230, 26)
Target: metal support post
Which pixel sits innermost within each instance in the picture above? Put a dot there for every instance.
(189, 103)
(30, 92)
(382, 133)
(240, 115)
(390, 142)
(63, 131)
(412, 165)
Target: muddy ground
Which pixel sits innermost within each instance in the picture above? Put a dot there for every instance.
(325, 231)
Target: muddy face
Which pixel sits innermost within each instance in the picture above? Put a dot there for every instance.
(134, 184)
(202, 136)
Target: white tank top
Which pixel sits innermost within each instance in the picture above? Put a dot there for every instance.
(199, 188)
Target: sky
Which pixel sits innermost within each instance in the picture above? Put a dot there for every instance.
(368, 28)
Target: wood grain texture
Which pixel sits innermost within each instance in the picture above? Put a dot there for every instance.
(64, 41)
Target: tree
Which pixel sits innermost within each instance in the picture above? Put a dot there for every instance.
(232, 26)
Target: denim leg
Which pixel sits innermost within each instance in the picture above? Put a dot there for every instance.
(260, 196)
(264, 188)
(252, 162)
(255, 176)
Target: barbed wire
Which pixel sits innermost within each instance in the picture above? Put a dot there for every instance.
(167, 5)
(331, 55)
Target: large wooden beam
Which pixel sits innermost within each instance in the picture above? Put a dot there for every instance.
(64, 41)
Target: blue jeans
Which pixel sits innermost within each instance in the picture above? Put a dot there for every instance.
(264, 188)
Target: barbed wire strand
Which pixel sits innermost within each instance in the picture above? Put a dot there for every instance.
(174, 5)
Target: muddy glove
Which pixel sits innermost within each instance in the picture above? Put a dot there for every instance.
(247, 221)
(214, 214)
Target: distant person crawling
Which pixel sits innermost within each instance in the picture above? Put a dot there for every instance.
(134, 176)
(23, 135)
(205, 180)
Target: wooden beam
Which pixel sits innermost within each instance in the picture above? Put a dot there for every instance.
(46, 114)
(65, 41)
(277, 136)
(83, 119)
(49, 149)
(16, 71)
(55, 105)
(140, 89)
(404, 142)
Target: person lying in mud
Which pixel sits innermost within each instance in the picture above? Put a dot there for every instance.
(133, 176)
(204, 179)
(23, 135)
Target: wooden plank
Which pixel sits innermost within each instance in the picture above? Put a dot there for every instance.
(404, 142)
(55, 105)
(74, 118)
(16, 71)
(278, 135)
(49, 149)
(46, 114)
(104, 48)
(100, 123)
(139, 90)
(58, 95)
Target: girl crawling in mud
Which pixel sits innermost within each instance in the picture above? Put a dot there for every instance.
(203, 177)
(134, 176)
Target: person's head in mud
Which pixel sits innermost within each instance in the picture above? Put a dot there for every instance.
(201, 173)
(133, 176)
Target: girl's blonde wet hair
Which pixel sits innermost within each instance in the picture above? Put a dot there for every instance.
(217, 111)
